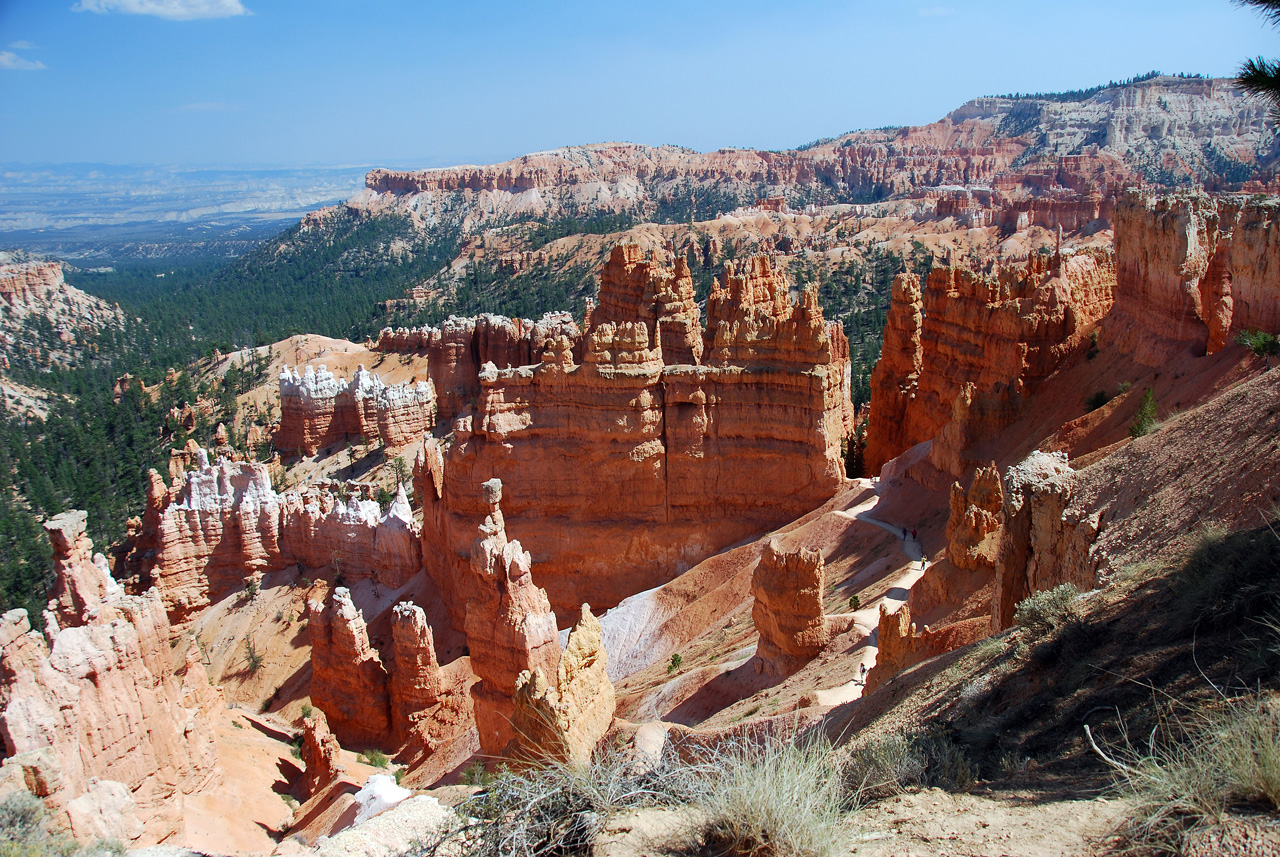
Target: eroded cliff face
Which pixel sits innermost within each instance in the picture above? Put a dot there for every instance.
(202, 537)
(985, 341)
(318, 409)
(1191, 272)
(460, 346)
(694, 455)
(96, 716)
(37, 290)
(1131, 130)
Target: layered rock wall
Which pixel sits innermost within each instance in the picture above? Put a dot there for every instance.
(94, 712)
(695, 455)
(1191, 272)
(460, 346)
(202, 537)
(984, 343)
(318, 409)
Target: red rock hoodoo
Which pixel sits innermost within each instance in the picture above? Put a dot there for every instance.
(789, 587)
(566, 720)
(696, 455)
(509, 624)
(349, 680)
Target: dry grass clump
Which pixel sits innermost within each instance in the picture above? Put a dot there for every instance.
(1175, 787)
(892, 765)
(558, 808)
(773, 797)
(1042, 612)
(750, 797)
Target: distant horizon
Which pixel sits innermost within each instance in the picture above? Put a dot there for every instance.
(301, 167)
(288, 84)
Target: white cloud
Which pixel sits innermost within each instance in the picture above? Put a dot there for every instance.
(23, 45)
(173, 10)
(934, 12)
(10, 60)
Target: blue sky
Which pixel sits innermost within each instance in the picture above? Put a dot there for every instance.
(416, 83)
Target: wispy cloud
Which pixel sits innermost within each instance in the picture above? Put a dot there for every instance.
(11, 61)
(935, 12)
(173, 10)
(22, 45)
(207, 107)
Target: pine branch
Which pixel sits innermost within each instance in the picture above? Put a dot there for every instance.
(1261, 77)
(1270, 9)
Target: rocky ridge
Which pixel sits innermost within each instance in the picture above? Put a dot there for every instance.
(35, 293)
(97, 718)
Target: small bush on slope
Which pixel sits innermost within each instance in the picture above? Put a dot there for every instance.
(1042, 612)
(24, 832)
(773, 799)
(1144, 421)
(896, 763)
(1260, 343)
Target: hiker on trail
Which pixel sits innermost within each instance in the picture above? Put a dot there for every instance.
(863, 673)
(914, 536)
(904, 533)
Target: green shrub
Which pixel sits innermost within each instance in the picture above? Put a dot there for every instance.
(252, 657)
(854, 602)
(675, 663)
(376, 758)
(752, 796)
(475, 774)
(306, 711)
(251, 588)
(1144, 421)
(24, 829)
(1042, 612)
(1097, 400)
(1260, 343)
(555, 809)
